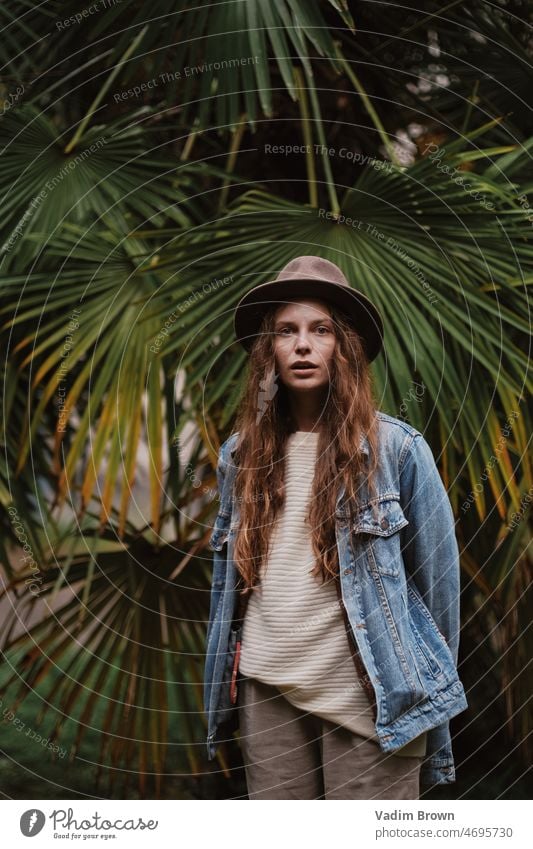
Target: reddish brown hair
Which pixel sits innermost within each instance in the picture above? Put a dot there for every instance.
(264, 422)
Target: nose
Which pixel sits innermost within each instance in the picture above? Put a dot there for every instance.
(302, 344)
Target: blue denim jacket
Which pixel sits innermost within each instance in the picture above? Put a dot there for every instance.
(399, 570)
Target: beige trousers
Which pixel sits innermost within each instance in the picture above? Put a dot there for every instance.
(291, 754)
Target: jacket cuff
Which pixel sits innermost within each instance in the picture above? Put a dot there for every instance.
(437, 771)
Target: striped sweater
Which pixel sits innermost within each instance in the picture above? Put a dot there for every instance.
(294, 637)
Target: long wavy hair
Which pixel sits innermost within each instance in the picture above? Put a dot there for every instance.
(264, 422)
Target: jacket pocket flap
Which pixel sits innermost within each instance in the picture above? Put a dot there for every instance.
(382, 516)
(220, 531)
(217, 539)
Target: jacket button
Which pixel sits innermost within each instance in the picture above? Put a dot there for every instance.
(384, 523)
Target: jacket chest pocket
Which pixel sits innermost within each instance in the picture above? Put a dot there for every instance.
(376, 533)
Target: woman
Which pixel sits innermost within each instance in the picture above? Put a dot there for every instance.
(334, 621)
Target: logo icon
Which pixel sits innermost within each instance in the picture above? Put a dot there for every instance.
(268, 389)
(32, 822)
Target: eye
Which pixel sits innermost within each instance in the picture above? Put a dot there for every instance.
(281, 331)
(323, 327)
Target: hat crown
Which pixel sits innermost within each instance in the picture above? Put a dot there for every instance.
(314, 267)
(310, 277)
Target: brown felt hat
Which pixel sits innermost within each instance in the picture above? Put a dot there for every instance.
(310, 277)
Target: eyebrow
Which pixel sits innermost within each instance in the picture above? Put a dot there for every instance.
(315, 321)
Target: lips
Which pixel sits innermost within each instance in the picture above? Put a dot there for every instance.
(303, 366)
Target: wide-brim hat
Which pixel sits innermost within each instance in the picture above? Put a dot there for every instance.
(310, 277)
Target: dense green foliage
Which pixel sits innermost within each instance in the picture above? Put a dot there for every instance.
(154, 164)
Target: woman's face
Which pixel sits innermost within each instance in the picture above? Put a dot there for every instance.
(304, 333)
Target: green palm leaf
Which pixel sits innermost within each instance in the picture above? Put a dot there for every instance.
(134, 669)
(215, 59)
(111, 175)
(442, 269)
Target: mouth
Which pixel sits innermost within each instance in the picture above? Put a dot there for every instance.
(303, 367)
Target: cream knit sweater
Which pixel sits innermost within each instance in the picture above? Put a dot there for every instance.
(294, 637)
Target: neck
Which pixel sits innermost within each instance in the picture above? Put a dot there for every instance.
(307, 410)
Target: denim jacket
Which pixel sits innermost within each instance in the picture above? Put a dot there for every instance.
(399, 571)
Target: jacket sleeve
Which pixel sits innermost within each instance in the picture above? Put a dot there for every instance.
(431, 557)
(216, 578)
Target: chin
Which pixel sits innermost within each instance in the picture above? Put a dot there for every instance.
(300, 385)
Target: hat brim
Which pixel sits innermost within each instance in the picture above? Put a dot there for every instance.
(361, 312)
